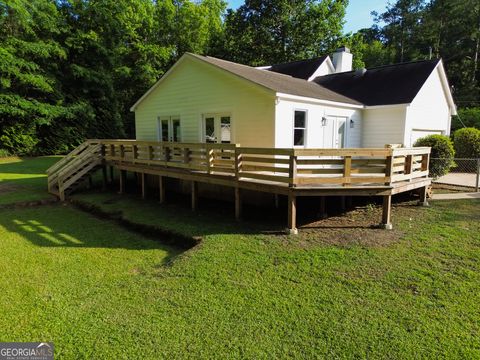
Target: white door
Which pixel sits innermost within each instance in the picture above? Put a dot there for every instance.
(217, 129)
(340, 134)
(169, 129)
(335, 133)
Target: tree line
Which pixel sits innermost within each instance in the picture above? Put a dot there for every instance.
(71, 69)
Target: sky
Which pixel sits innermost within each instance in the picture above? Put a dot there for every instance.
(358, 12)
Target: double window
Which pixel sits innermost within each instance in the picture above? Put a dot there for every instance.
(217, 129)
(299, 128)
(169, 128)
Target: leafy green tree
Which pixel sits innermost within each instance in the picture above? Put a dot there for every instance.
(467, 117)
(30, 96)
(275, 31)
(402, 21)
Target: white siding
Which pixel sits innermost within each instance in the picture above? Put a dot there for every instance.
(194, 88)
(383, 125)
(318, 136)
(429, 112)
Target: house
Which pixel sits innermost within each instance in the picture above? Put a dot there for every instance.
(213, 128)
(316, 103)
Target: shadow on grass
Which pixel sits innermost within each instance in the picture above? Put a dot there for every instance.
(64, 227)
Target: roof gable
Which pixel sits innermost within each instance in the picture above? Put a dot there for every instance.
(384, 85)
(302, 69)
(279, 83)
(267, 80)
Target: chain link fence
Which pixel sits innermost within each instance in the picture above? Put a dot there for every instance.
(464, 174)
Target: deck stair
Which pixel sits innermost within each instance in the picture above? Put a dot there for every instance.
(69, 173)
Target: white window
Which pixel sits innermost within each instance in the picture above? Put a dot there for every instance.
(300, 128)
(169, 129)
(217, 128)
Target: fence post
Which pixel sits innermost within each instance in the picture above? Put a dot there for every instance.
(478, 175)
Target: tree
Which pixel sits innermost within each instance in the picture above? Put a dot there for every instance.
(402, 26)
(468, 117)
(275, 31)
(30, 96)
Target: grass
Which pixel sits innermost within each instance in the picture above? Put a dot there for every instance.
(24, 179)
(99, 291)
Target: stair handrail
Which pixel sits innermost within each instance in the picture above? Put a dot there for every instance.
(70, 156)
(81, 158)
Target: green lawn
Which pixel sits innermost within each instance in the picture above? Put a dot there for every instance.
(99, 291)
(24, 179)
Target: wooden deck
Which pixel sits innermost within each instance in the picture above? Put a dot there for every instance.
(291, 172)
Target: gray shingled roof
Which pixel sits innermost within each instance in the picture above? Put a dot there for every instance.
(278, 82)
(383, 85)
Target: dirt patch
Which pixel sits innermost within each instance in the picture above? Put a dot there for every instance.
(8, 188)
(357, 227)
(26, 204)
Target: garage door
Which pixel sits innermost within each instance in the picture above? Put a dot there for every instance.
(417, 134)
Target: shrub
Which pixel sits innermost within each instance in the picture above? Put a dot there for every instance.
(4, 153)
(442, 148)
(467, 143)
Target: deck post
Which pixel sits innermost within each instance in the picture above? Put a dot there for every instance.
(388, 169)
(238, 203)
(323, 211)
(186, 155)
(423, 196)
(194, 195)
(105, 178)
(343, 203)
(112, 179)
(349, 202)
(292, 214)
(161, 186)
(90, 182)
(144, 189)
(347, 170)
(209, 155)
(386, 213)
(122, 181)
(277, 201)
(292, 170)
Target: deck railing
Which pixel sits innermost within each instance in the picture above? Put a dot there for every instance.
(292, 167)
